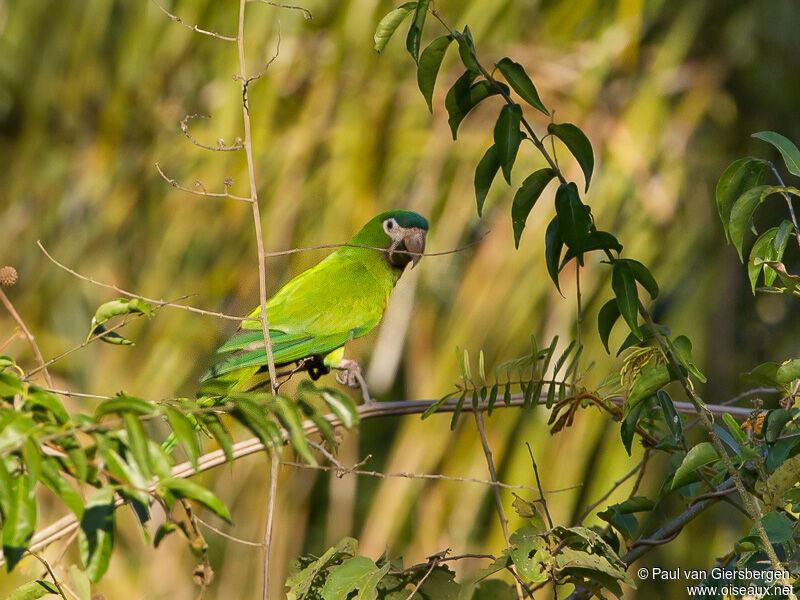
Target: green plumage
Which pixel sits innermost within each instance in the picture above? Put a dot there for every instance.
(316, 313)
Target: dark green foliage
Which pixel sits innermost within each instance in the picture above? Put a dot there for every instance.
(578, 144)
(526, 197)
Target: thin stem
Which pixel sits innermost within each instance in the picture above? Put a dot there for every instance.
(50, 572)
(28, 335)
(788, 199)
(424, 577)
(542, 500)
(501, 513)
(605, 496)
(273, 489)
(248, 148)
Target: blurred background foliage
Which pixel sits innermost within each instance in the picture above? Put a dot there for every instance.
(91, 96)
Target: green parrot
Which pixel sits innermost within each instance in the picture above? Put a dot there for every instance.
(314, 315)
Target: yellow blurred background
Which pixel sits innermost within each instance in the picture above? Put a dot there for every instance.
(92, 94)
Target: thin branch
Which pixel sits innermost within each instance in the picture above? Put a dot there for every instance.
(220, 147)
(129, 294)
(228, 536)
(28, 335)
(605, 496)
(501, 514)
(434, 562)
(66, 525)
(542, 500)
(306, 13)
(50, 571)
(387, 250)
(248, 148)
(202, 190)
(432, 476)
(195, 28)
(788, 199)
(273, 490)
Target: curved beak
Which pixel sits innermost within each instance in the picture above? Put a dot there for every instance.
(414, 241)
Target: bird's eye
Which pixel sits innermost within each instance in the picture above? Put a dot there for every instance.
(389, 225)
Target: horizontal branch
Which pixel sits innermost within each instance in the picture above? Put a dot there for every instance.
(66, 525)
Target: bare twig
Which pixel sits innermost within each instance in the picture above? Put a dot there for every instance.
(228, 536)
(129, 294)
(248, 148)
(434, 562)
(202, 190)
(605, 496)
(273, 489)
(327, 246)
(542, 500)
(220, 147)
(306, 13)
(50, 571)
(194, 28)
(788, 199)
(501, 513)
(28, 335)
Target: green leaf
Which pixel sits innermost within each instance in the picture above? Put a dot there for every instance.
(484, 175)
(19, 522)
(574, 221)
(526, 197)
(671, 416)
(682, 349)
(507, 137)
(740, 176)
(553, 244)
(356, 573)
(389, 24)
(492, 399)
(642, 275)
(518, 79)
(624, 285)
(80, 583)
(778, 526)
(652, 378)
(96, 533)
(52, 478)
(742, 213)
(466, 49)
(342, 406)
(457, 411)
(223, 438)
(734, 428)
(790, 153)
(428, 68)
(116, 308)
(124, 404)
(10, 385)
(186, 433)
(595, 240)
(698, 456)
(40, 397)
(628, 427)
(290, 418)
(463, 96)
(254, 417)
(774, 423)
(137, 440)
(163, 531)
(415, 32)
(33, 590)
(765, 250)
(578, 144)
(183, 488)
(608, 315)
(788, 371)
(528, 551)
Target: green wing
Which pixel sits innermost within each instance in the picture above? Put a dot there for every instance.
(316, 313)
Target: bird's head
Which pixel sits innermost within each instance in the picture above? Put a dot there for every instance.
(399, 232)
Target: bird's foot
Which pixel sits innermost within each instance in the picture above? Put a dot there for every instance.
(350, 375)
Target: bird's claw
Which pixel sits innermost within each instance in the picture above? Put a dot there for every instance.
(349, 373)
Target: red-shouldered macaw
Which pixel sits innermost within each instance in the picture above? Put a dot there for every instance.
(314, 315)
